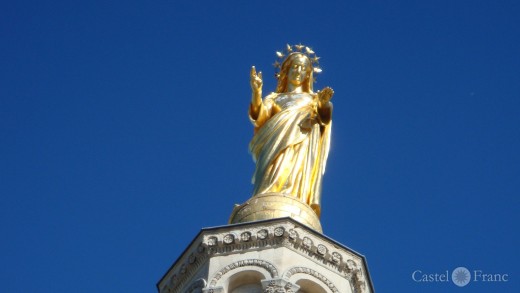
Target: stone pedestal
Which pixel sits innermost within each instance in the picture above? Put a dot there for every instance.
(271, 256)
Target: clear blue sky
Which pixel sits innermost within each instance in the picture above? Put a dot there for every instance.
(124, 131)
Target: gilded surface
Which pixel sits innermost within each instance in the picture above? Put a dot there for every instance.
(292, 130)
(275, 205)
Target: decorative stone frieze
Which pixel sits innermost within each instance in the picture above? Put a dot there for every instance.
(223, 242)
(262, 234)
(245, 236)
(308, 271)
(249, 262)
(279, 231)
(229, 238)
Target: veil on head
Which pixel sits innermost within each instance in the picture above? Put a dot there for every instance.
(286, 64)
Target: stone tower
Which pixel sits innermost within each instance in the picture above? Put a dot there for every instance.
(279, 255)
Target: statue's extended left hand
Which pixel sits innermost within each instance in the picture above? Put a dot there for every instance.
(325, 95)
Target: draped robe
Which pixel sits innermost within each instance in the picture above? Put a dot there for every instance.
(290, 147)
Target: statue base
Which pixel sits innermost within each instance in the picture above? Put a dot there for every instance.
(272, 206)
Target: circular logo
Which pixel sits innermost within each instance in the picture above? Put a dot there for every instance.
(461, 276)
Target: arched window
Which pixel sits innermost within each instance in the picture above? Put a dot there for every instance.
(308, 286)
(249, 288)
(248, 281)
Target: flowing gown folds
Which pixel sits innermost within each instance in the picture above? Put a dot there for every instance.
(290, 147)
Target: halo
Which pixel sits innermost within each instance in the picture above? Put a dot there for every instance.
(301, 49)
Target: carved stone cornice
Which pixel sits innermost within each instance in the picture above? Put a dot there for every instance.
(295, 237)
(284, 232)
(184, 268)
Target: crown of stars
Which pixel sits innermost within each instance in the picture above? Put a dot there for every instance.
(297, 49)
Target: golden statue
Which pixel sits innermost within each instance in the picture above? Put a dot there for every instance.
(291, 131)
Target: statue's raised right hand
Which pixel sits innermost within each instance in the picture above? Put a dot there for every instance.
(256, 80)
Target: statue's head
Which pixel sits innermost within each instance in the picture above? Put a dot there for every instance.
(296, 69)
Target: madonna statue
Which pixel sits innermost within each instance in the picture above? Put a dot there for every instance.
(291, 129)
